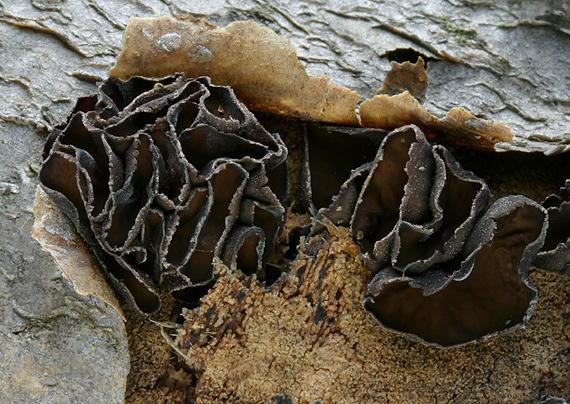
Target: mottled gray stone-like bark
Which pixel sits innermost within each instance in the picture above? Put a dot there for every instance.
(502, 60)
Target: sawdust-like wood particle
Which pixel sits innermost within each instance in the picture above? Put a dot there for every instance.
(156, 375)
(310, 338)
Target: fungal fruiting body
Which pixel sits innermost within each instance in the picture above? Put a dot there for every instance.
(555, 254)
(163, 176)
(447, 269)
(482, 292)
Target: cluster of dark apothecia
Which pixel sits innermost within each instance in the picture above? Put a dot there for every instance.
(161, 177)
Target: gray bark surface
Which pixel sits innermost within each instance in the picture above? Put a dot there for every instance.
(503, 60)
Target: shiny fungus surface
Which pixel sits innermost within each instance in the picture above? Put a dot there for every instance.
(447, 269)
(482, 292)
(554, 256)
(163, 176)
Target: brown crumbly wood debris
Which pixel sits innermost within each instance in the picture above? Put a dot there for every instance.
(157, 376)
(308, 336)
